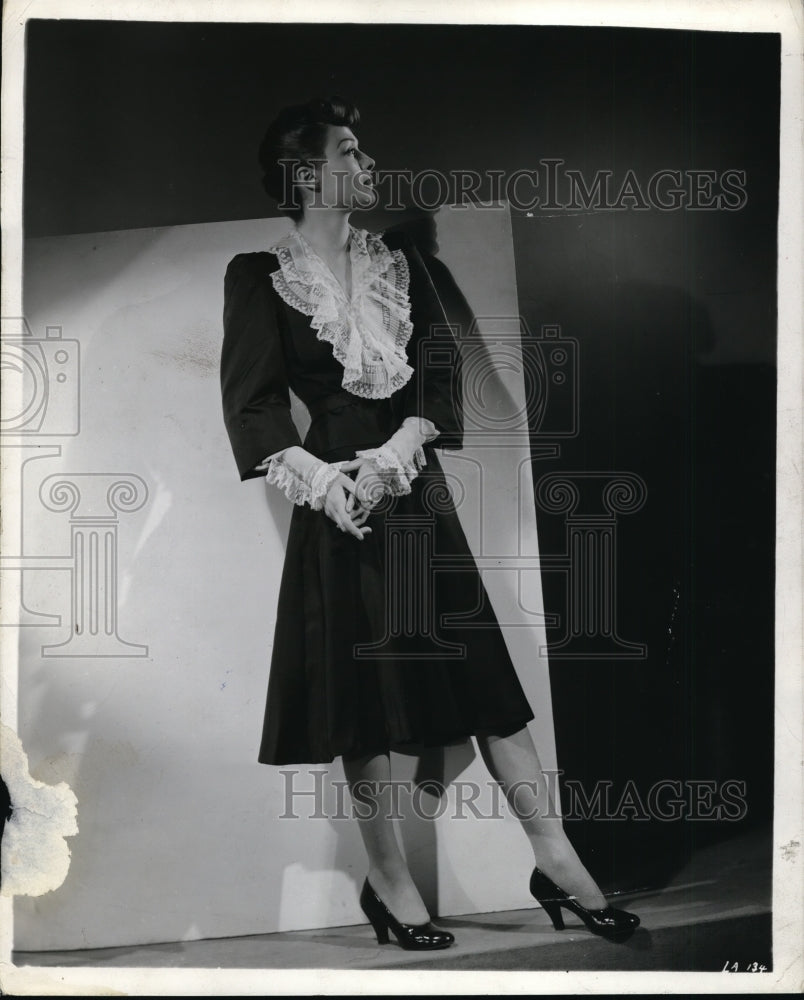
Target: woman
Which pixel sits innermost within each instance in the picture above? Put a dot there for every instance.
(342, 317)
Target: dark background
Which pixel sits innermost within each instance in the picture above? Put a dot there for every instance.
(132, 125)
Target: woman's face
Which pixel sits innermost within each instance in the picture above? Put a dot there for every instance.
(345, 180)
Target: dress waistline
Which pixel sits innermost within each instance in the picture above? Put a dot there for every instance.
(336, 399)
(343, 422)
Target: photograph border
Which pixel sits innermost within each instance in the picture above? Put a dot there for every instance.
(788, 931)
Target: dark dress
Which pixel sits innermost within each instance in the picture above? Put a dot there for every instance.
(363, 659)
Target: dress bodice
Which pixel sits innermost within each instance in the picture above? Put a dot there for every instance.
(276, 340)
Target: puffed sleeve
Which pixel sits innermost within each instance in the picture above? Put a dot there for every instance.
(434, 391)
(254, 385)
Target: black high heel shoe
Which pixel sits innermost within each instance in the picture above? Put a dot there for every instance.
(608, 922)
(412, 937)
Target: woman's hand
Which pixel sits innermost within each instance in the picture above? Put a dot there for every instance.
(370, 483)
(341, 507)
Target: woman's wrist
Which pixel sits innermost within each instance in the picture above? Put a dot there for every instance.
(396, 468)
(321, 482)
(302, 477)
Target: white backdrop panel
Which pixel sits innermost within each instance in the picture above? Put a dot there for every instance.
(180, 835)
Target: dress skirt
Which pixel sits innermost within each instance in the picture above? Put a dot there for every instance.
(365, 656)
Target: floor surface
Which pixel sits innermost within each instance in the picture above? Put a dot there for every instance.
(715, 912)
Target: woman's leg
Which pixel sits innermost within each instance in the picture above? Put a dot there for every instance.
(369, 783)
(514, 762)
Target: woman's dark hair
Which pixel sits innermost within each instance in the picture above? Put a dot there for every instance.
(299, 135)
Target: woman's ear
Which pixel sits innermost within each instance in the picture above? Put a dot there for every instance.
(305, 176)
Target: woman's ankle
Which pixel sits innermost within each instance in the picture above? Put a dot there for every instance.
(561, 863)
(398, 891)
(390, 873)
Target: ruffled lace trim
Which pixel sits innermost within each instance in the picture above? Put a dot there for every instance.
(398, 474)
(296, 489)
(368, 332)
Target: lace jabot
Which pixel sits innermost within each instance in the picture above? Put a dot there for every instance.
(369, 331)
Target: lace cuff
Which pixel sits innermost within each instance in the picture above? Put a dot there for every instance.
(398, 472)
(322, 479)
(296, 486)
